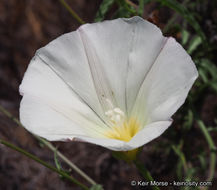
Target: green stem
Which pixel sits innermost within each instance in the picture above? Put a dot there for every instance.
(51, 147)
(181, 156)
(9, 115)
(73, 13)
(33, 157)
(66, 160)
(212, 148)
(145, 173)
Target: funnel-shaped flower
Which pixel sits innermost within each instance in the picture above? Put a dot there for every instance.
(115, 84)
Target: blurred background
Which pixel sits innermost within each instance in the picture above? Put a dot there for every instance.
(186, 151)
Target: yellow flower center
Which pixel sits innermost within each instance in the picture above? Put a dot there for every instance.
(125, 131)
(122, 129)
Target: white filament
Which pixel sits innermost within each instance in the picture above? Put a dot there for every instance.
(115, 114)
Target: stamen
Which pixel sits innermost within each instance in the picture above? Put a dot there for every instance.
(121, 128)
(109, 103)
(116, 116)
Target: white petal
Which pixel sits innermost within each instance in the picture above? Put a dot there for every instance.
(120, 55)
(119, 62)
(147, 134)
(111, 144)
(145, 47)
(118, 48)
(40, 119)
(107, 51)
(66, 57)
(51, 109)
(166, 85)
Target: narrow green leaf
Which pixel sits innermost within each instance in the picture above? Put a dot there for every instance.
(202, 162)
(125, 10)
(203, 75)
(181, 156)
(103, 9)
(189, 174)
(185, 37)
(72, 12)
(209, 66)
(57, 163)
(212, 163)
(179, 171)
(182, 10)
(47, 165)
(121, 12)
(210, 129)
(96, 187)
(189, 120)
(194, 43)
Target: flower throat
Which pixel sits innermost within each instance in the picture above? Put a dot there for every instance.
(121, 128)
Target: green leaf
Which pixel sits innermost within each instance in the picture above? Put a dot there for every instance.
(188, 120)
(203, 75)
(182, 10)
(121, 12)
(180, 154)
(103, 9)
(179, 170)
(185, 37)
(189, 174)
(41, 144)
(124, 10)
(194, 43)
(57, 163)
(209, 66)
(202, 162)
(128, 7)
(96, 187)
(212, 129)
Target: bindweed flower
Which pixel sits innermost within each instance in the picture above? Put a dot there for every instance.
(115, 84)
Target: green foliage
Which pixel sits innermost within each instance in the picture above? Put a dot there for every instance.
(202, 161)
(194, 43)
(125, 9)
(103, 9)
(96, 187)
(57, 163)
(179, 8)
(188, 120)
(185, 37)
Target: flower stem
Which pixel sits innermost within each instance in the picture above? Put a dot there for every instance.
(33, 157)
(211, 147)
(73, 13)
(145, 173)
(51, 147)
(66, 160)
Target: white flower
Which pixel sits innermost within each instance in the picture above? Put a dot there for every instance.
(115, 84)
